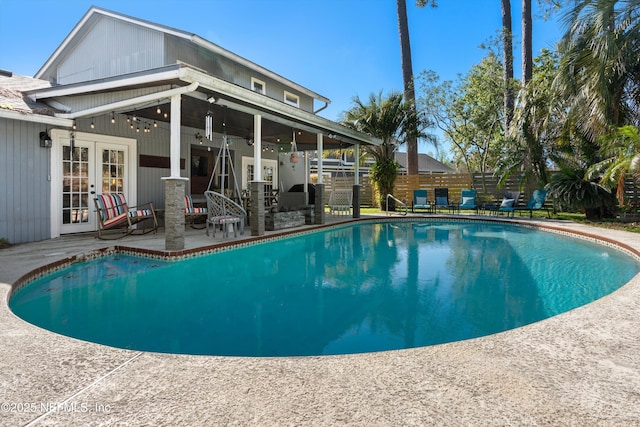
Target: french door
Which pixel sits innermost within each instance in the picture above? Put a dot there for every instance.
(93, 164)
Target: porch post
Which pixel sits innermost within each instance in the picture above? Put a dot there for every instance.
(356, 183)
(256, 193)
(174, 189)
(319, 202)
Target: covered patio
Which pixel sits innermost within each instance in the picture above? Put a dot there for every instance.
(180, 98)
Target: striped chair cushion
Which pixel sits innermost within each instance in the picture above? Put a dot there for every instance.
(112, 207)
(140, 213)
(190, 209)
(226, 219)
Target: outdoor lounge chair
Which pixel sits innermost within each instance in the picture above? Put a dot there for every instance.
(114, 213)
(420, 201)
(469, 200)
(442, 199)
(536, 203)
(509, 203)
(192, 213)
(225, 213)
(340, 202)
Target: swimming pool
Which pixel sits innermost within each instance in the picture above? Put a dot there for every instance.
(357, 288)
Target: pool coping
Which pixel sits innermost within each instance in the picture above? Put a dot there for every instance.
(568, 369)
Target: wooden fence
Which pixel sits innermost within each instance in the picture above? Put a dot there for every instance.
(487, 188)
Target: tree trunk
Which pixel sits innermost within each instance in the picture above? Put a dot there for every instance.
(507, 59)
(407, 78)
(527, 48)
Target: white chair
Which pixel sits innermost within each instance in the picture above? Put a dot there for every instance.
(340, 202)
(224, 212)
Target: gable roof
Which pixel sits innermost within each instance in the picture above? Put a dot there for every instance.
(426, 163)
(94, 13)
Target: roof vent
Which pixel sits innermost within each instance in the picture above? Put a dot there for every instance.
(6, 73)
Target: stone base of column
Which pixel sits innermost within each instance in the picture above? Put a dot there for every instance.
(319, 204)
(356, 201)
(174, 190)
(257, 208)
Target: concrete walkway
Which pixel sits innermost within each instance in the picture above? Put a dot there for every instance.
(580, 368)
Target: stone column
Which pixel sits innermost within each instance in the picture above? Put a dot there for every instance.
(319, 204)
(174, 213)
(257, 208)
(356, 201)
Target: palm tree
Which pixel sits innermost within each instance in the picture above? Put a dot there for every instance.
(407, 78)
(507, 62)
(390, 120)
(600, 71)
(622, 157)
(527, 48)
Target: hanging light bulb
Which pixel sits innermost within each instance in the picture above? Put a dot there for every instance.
(158, 110)
(92, 125)
(128, 119)
(113, 118)
(166, 115)
(73, 126)
(155, 124)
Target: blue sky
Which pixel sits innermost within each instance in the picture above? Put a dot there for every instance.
(338, 48)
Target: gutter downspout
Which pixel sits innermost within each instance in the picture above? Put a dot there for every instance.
(326, 104)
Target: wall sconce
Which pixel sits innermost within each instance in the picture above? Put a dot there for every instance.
(199, 138)
(45, 140)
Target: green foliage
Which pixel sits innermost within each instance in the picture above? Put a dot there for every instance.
(388, 119)
(383, 173)
(4, 243)
(570, 188)
(469, 112)
(621, 152)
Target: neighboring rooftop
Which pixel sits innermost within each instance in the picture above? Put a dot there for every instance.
(426, 163)
(12, 98)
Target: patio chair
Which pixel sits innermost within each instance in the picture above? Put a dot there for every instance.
(536, 203)
(442, 199)
(114, 213)
(509, 203)
(340, 202)
(469, 200)
(420, 201)
(192, 214)
(225, 213)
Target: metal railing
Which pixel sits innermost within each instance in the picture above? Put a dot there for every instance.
(406, 210)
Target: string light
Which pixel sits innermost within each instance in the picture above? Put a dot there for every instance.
(113, 118)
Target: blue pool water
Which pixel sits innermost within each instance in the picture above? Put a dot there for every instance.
(358, 288)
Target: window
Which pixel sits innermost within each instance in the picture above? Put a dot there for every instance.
(258, 86)
(291, 99)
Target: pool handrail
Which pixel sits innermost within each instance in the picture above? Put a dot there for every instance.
(406, 210)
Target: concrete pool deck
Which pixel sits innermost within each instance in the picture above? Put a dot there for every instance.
(579, 368)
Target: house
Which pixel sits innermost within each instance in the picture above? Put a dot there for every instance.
(123, 105)
(426, 164)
